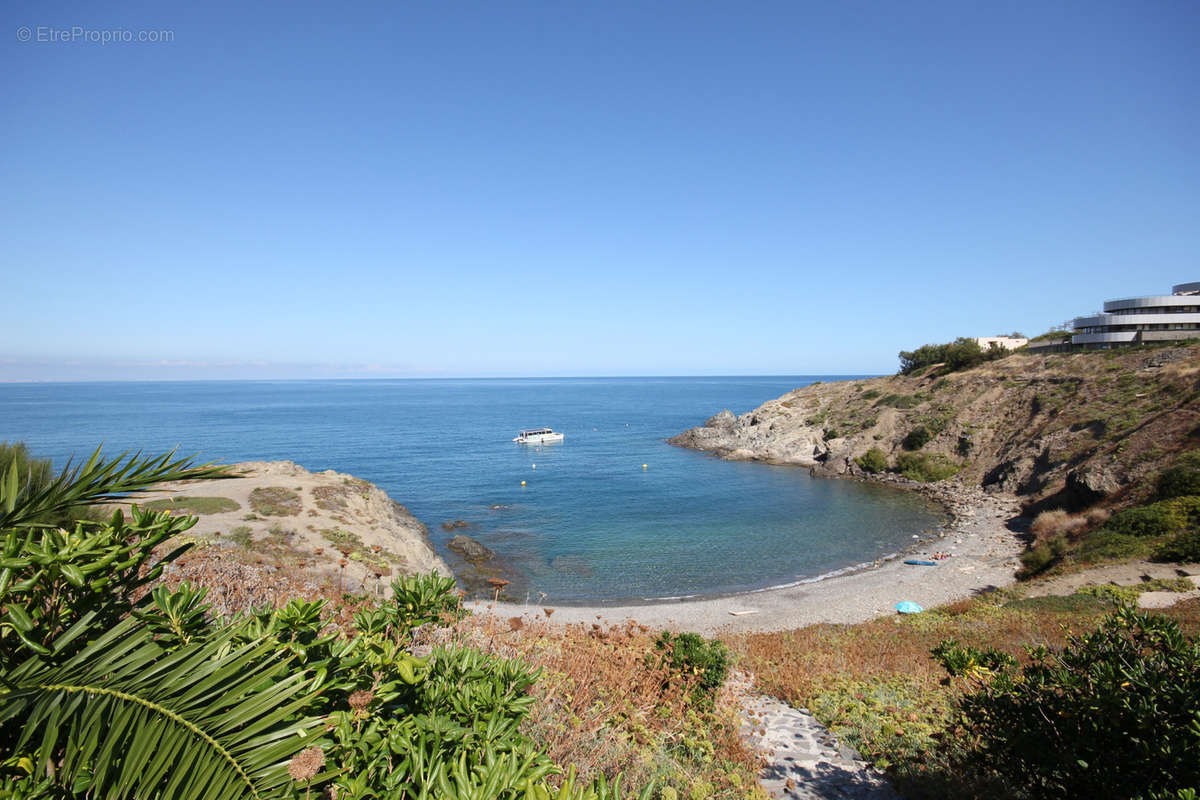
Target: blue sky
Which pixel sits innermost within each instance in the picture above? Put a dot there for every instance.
(453, 189)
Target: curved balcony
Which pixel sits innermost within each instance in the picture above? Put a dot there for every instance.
(1159, 301)
(1190, 317)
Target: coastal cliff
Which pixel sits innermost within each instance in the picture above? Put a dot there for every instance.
(1063, 429)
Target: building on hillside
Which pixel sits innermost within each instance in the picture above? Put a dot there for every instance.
(1140, 320)
(1003, 342)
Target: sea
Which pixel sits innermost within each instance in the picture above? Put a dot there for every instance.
(612, 515)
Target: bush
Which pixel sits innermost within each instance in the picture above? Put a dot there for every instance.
(1184, 547)
(925, 467)
(418, 599)
(965, 662)
(1042, 556)
(1151, 520)
(901, 400)
(872, 461)
(917, 438)
(690, 654)
(1111, 715)
(1182, 479)
(962, 353)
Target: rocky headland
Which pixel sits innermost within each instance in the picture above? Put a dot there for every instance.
(1061, 430)
(279, 525)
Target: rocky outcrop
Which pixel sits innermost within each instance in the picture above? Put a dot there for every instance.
(470, 549)
(1077, 427)
(323, 526)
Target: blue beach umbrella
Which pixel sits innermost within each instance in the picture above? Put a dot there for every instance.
(908, 607)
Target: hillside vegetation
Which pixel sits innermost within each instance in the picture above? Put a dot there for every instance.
(1062, 430)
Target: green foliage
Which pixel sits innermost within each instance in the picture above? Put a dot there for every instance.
(275, 501)
(895, 720)
(917, 438)
(1184, 546)
(873, 461)
(1042, 556)
(870, 394)
(107, 697)
(126, 717)
(1059, 604)
(962, 353)
(1112, 593)
(970, 662)
(925, 467)
(704, 661)
(1142, 521)
(416, 600)
(193, 505)
(901, 400)
(1181, 479)
(1111, 715)
(34, 472)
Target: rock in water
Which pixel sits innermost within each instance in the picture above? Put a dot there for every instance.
(470, 549)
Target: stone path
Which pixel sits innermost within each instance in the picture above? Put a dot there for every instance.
(804, 760)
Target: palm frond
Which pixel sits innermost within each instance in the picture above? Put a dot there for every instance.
(95, 481)
(123, 718)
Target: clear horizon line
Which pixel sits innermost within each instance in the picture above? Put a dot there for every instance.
(840, 375)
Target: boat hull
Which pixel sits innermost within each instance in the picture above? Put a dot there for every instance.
(545, 438)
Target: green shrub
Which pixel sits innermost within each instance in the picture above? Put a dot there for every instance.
(870, 394)
(1111, 715)
(1183, 547)
(962, 353)
(1105, 545)
(925, 467)
(901, 400)
(419, 599)
(917, 438)
(963, 661)
(695, 658)
(1182, 479)
(1112, 593)
(1174, 517)
(1042, 556)
(1151, 520)
(872, 461)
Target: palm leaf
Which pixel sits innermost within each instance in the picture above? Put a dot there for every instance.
(95, 481)
(212, 720)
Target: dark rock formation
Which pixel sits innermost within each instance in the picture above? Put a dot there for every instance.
(470, 549)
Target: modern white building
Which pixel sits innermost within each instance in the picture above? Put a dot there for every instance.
(1137, 320)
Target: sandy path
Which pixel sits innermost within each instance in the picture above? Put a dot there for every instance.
(984, 556)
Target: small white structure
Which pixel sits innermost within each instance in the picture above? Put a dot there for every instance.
(1003, 342)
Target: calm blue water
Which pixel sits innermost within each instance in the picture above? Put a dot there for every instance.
(590, 525)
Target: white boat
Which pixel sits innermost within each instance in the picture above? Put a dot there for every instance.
(538, 436)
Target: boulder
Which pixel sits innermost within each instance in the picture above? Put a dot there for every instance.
(1089, 485)
(470, 549)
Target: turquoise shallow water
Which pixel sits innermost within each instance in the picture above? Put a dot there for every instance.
(589, 526)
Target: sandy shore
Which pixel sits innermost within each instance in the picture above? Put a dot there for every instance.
(984, 556)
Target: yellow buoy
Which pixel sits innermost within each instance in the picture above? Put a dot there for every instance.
(522, 483)
(643, 466)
